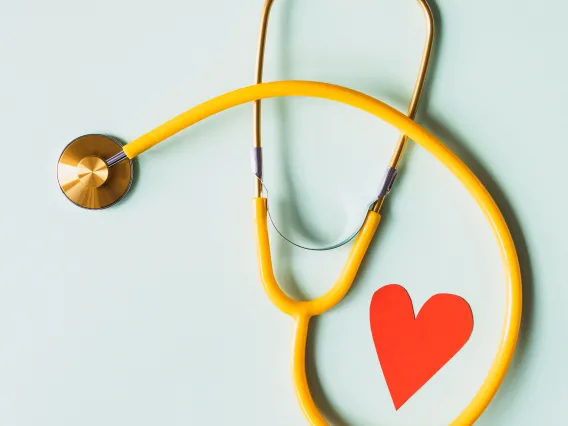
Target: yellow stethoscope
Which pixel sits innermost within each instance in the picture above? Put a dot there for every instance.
(95, 171)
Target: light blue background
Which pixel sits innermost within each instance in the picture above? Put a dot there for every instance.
(167, 324)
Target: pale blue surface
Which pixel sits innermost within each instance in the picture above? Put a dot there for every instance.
(181, 333)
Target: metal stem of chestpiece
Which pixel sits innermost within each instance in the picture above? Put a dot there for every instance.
(395, 160)
(115, 159)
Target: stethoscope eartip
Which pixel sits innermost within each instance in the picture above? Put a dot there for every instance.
(87, 178)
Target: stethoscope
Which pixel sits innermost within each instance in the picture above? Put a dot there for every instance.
(95, 171)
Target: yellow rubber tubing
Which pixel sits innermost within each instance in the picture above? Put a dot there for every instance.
(302, 311)
(324, 303)
(421, 136)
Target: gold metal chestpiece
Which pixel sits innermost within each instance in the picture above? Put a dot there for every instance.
(84, 176)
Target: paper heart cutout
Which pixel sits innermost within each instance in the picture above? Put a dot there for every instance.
(411, 350)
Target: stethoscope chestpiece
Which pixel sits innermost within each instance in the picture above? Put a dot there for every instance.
(87, 177)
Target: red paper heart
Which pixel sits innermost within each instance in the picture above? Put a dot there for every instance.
(411, 350)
